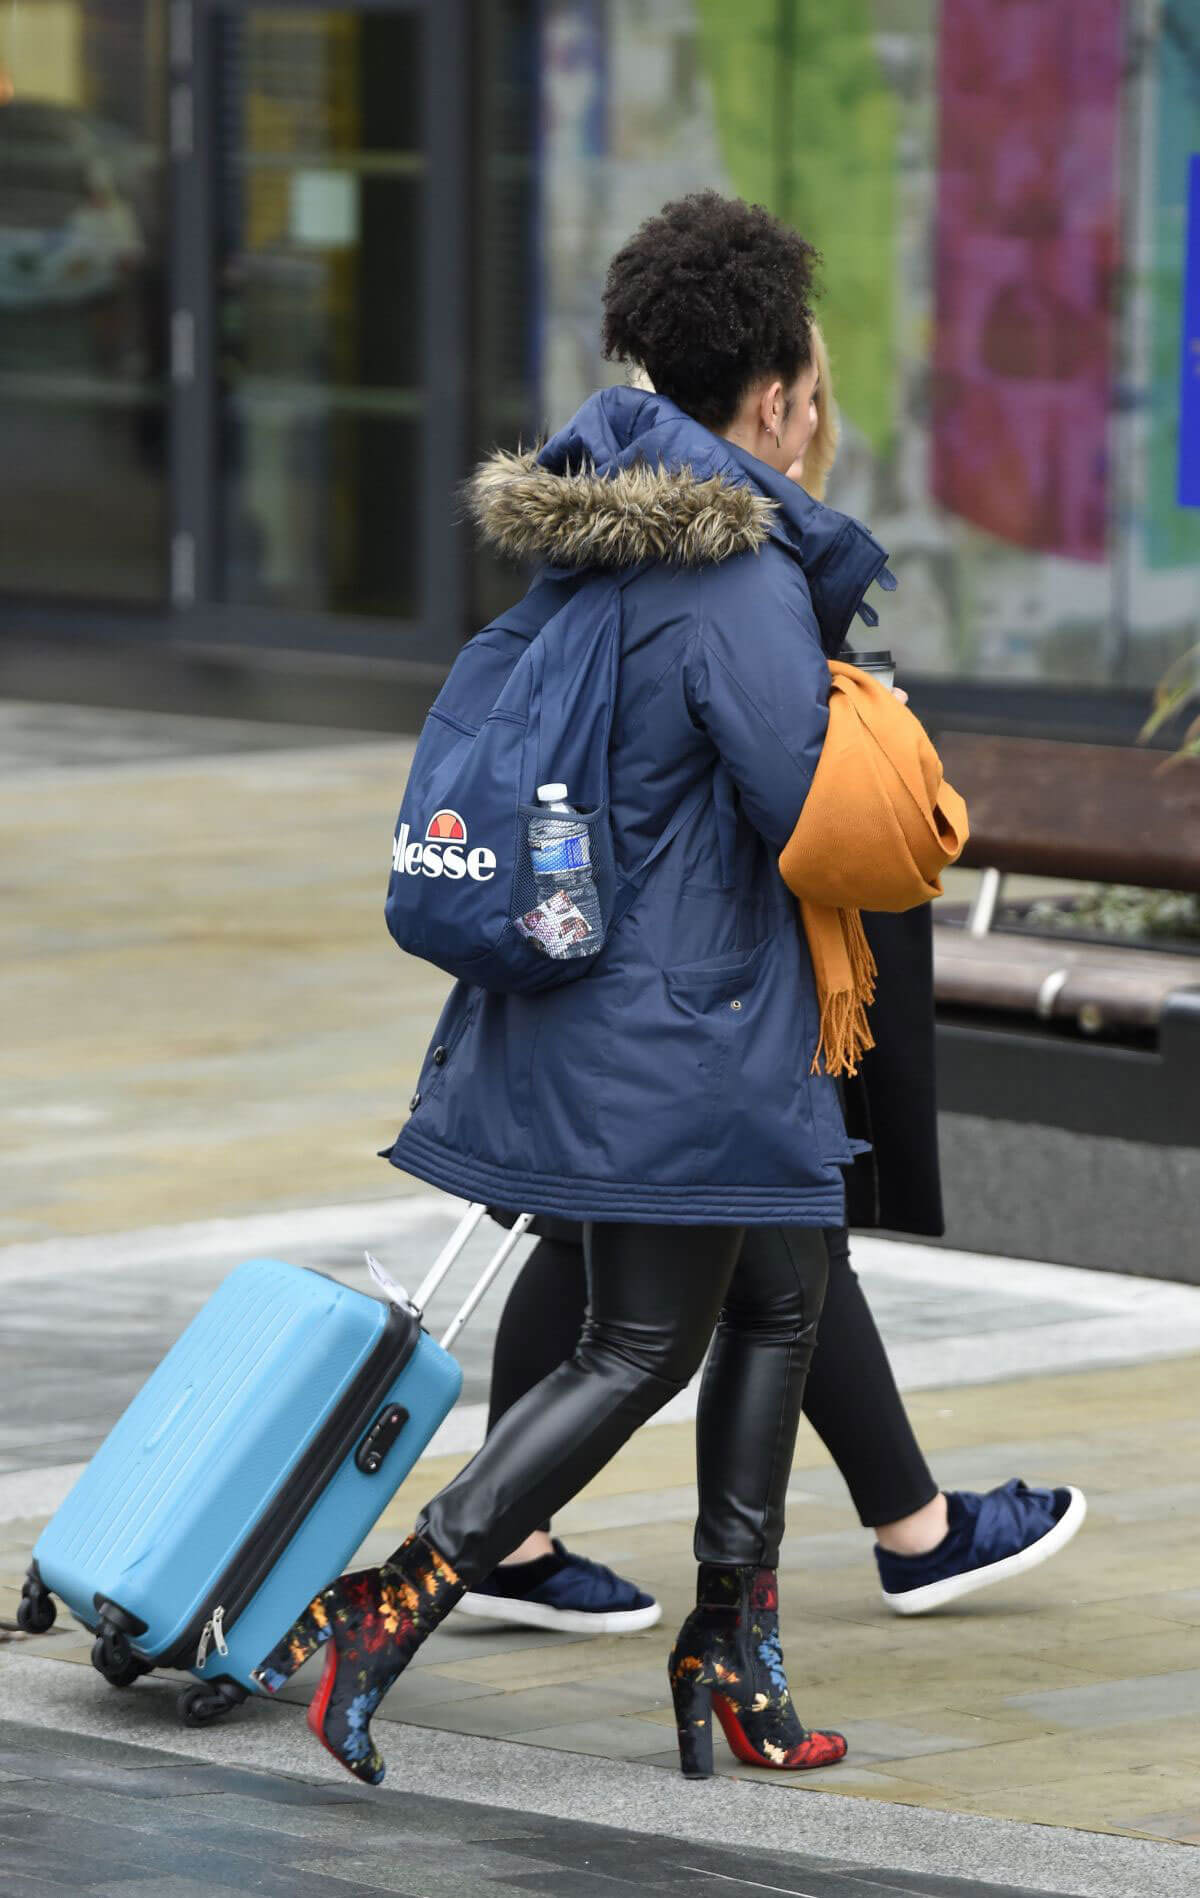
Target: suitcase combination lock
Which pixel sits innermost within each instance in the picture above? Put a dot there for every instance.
(379, 1439)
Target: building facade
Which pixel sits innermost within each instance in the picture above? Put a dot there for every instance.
(273, 276)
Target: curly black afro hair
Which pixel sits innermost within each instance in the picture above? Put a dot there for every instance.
(709, 297)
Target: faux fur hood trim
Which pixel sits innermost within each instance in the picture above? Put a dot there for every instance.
(586, 519)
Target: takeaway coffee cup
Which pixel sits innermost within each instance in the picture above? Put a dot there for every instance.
(881, 664)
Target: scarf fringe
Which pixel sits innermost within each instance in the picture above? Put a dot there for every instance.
(845, 1031)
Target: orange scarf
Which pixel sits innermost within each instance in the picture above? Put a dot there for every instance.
(878, 827)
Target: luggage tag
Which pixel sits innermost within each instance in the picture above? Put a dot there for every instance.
(392, 1291)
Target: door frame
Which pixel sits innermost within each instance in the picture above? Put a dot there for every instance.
(193, 469)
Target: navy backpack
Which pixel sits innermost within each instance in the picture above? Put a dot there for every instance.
(514, 714)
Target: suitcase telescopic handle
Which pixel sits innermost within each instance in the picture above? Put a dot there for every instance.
(446, 1257)
(490, 1272)
(445, 1260)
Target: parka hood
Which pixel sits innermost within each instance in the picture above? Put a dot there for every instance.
(632, 477)
(582, 517)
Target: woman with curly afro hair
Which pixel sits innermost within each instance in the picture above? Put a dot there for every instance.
(712, 298)
(932, 1548)
(673, 1100)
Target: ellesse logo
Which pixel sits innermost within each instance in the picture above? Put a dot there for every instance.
(443, 852)
(447, 826)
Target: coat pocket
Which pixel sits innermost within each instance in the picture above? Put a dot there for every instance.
(752, 1015)
(708, 1001)
(719, 979)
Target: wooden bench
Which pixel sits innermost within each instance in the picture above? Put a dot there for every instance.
(1040, 1012)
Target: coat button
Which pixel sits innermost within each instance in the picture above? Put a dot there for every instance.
(415, 1102)
(439, 1056)
(735, 1005)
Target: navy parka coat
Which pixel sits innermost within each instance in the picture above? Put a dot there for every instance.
(671, 1083)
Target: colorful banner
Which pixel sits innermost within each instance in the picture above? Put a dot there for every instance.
(1189, 367)
(807, 126)
(1026, 247)
(1172, 531)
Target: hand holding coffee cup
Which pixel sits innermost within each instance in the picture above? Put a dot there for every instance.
(882, 665)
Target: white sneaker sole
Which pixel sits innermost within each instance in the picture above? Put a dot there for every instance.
(532, 1614)
(919, 1601)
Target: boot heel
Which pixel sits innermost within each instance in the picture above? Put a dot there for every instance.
(298, 1645)
(693, 1721)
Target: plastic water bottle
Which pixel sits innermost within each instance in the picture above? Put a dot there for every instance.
(568, 901)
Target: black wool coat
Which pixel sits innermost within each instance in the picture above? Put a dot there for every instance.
(892, 1101)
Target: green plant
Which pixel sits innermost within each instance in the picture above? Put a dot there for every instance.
(1120, 909)
(1179, 685)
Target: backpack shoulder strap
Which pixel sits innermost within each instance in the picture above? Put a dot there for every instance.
(628, 888)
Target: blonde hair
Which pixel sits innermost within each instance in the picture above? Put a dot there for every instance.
(823, 446)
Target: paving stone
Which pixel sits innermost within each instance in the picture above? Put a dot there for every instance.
(518, 1711)
(1184, 1825)
(416, 1872)
(627, 1739)
(170, 1887)
(1147, 1698)
(893, 1740)
(47, 1851)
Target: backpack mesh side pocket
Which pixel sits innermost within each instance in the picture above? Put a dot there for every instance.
(561, 918)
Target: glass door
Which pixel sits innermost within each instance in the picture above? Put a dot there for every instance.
(319, 339)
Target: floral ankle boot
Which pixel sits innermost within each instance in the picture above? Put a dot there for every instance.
(372, 1623)
(728, 1657)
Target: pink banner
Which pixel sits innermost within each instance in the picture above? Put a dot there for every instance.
(1026, 246)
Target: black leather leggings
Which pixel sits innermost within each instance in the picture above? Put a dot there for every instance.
(850, 1395)
(655, 1294)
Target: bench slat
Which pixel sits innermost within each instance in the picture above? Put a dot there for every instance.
(1119, 987)
(1090, 812)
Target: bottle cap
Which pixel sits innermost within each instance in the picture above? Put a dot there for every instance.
(552, 793)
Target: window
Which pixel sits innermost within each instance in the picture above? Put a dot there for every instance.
(82, 319)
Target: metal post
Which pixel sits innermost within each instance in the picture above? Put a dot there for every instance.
(983, 908)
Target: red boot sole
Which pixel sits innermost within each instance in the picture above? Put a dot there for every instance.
(318, 1706)
(748, 1755)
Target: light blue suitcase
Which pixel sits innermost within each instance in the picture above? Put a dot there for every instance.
(247, 1470)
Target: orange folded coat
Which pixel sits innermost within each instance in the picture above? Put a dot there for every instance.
(878, 827)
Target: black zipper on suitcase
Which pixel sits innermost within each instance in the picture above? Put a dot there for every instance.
(242, 1578)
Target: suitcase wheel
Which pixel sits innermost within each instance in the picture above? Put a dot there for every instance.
(209, 1700)
(37, 1609)
(113, 1657)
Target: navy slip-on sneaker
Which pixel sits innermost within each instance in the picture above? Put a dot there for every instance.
(562, 1591)
(990, 1539)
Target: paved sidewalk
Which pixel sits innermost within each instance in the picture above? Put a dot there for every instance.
(120, 1821)
(210, 1036)
(1069, 1698)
